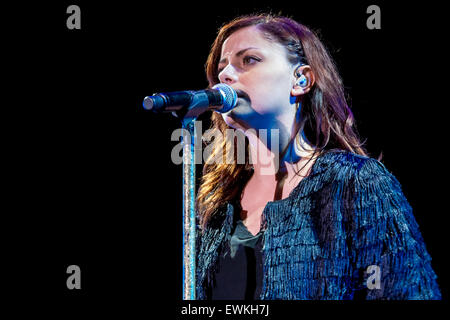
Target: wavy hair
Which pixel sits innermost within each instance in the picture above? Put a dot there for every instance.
(325, 119)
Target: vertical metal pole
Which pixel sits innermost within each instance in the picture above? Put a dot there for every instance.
(189, 221)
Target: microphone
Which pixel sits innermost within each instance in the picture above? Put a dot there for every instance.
(221, 98)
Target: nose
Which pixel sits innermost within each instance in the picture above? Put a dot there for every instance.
(228, 75)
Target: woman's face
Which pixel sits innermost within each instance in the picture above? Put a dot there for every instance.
(260, 68)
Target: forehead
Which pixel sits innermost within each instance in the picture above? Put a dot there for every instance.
(247, 37)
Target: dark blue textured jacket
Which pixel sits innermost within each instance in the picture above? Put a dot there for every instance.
(348, 214)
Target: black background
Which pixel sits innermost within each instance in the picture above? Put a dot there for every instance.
(93, 181)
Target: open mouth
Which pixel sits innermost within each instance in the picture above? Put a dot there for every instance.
(243, 95)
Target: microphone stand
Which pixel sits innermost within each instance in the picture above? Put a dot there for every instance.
(189, 137)
(189, 216)
(188, 114)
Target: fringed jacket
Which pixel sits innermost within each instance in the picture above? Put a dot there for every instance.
(344, 222)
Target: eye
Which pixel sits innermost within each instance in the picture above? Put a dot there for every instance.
(248, 60)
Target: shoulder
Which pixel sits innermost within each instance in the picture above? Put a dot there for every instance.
(345, 173)
(370, 192)
(349, 167)
(346, 160)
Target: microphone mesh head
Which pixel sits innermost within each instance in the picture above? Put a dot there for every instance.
(229, 97)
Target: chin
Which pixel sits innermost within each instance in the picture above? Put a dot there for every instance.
(230, 119)
(234, 121)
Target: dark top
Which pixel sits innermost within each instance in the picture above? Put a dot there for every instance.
(347, 217)
(240, 269)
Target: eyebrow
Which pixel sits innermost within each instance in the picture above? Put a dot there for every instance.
(238, 54)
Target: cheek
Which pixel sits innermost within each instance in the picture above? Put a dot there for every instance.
(269, 93)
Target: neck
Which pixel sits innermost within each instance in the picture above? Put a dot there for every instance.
(274, 150)
(265, 155)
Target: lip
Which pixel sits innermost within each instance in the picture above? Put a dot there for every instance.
(242, 95)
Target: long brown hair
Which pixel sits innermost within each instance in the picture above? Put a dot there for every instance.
(325, 119)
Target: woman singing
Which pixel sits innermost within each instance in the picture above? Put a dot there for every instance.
(309, 216)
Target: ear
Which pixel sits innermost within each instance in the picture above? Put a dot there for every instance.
(305, 70)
